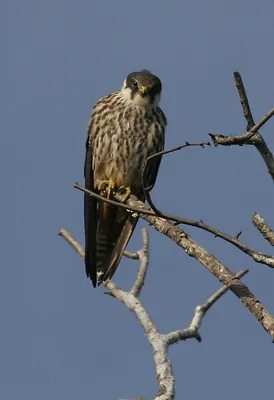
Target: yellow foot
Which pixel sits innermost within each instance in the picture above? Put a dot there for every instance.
(108, 185)
(126, 191)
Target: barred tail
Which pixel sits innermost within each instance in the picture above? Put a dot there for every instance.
(115, 227)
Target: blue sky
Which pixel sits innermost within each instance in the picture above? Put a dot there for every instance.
(59, 337)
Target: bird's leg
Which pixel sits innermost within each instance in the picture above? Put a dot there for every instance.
(108, 185)
(126, 191)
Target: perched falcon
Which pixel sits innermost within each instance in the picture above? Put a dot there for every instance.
(126, 127)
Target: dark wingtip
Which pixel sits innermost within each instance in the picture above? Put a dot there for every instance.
(90, 271)
(93, 281)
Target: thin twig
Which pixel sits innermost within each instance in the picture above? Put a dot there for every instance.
(263, 227)
(133, 256)
(164, 152)
(144, 260)
(257, 256)
(200, 311)
(73, 242)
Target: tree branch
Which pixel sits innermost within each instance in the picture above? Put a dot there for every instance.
(164, 152)
(193, 249)
(252, 137)
(244, 137)
(73, 242)
(263, 227)
(144, 260)
(224, 274)
(200, 311)
(158, 341)
(257, 256)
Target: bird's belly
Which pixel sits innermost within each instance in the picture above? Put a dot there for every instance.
(124, 161)
(126, 170)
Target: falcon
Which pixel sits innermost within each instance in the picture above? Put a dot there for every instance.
(125, 128)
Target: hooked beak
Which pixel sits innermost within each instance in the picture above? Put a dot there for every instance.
(143, 90)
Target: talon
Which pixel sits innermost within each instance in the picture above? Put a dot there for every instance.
(108, 185)
(127, 192)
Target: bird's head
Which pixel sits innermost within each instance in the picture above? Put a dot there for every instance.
(142, 89)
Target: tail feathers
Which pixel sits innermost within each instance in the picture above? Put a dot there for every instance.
(113, 257)
(104, 245)
(110, 223)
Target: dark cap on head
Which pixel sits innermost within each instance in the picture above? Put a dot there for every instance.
(145, 83)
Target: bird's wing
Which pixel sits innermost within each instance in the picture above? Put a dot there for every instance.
(154, 163)
(90, 214)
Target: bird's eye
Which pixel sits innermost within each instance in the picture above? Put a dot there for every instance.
(134, 83)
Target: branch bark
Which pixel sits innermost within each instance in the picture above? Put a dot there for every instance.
(263, 228)
(252, 137)
(193, 249)
(159, 342)
(224, 274)
(257, 256)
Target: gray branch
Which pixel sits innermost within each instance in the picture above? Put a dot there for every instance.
(200, 311)
(144, 260)
(257, 256)
(263, 227)
(158, 341)
(252, 137)
(214, 266)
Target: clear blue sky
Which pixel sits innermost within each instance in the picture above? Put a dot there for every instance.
(59, 337)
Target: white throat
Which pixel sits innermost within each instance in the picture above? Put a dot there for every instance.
(138, 100)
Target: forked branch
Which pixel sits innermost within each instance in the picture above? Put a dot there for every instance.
(252, 136)
(257, 256)
(158, 341)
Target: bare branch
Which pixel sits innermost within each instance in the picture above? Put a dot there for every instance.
(183, 146)
(257, 256)
(220, 292)
(263, 227)
(193, 249)
(200, 311)
(244, 137)
(73, 242)
(244, 101)
(139, 398)
(163, 366)
(160, 154)
(158, 341)
(144, 259)
(256, 139)
(164, 372)
(133, 256)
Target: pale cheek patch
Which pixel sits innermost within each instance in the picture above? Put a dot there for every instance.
(126, 92)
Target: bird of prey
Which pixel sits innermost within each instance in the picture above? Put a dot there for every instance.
(125, 128)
